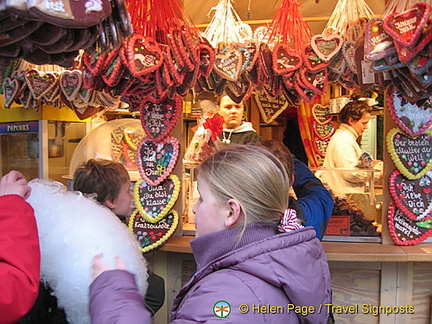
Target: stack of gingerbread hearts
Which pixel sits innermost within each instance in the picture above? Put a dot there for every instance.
(400, 44)
(164, 56)
(44, 32)
(410, 146)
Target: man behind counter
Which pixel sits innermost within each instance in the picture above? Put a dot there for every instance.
(235, 130)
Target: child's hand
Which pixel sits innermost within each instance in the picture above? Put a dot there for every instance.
(14, 183)
(100, 266)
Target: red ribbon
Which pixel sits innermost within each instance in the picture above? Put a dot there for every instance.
(215, 124)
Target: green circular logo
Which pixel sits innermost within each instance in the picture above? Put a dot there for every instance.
(221, 309)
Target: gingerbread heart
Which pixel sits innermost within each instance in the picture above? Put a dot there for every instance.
(411, 155)
(312, 60)
(143, 54)
(270, 107)
(407, 54)
(412, 197)
(94, 62)
(406, 27)
(324, 131)
(285, 60)
(252, 50)
(151, 235)
(10, 91)
(228, 65)
(421, 62)
(338, 64)
(154, 202)
(156, 160)
(207, 57)
(348, 50)
(70, 83)
(320, 146)
(158, 117)
(411, 118)
(39, 83)
(321, 114)
(314, 80)
(86, 111)
(405, 231)
(378, 43)
(326, 45)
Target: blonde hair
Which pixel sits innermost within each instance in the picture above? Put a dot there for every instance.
(251, 175)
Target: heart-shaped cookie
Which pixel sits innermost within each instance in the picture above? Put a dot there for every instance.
(39, 83)
(207, 57)
(154, 202)
(421, 62)
(270, 107)
(411, 155)
(94, 62)
(321, 114)
(156, 160)
(378, 43)
(406, 27)
(158, 117)
(143, 54)
(70, 83)
(326, 45)
(285, 60)
(228, 65)
(412, 197)
(312, 60)
(314, 80)
(405, 231)
(150, 235)
(411, 118)
(320, 145)
(11, 89)
(406, 54)
(348, 50)
(324, 131)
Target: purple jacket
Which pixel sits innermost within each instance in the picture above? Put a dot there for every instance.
(272, 278)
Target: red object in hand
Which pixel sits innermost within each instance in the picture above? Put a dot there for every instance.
(215, 124)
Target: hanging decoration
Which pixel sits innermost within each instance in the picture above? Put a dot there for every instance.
(43, 33)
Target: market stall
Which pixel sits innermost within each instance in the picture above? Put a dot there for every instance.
(141, 88)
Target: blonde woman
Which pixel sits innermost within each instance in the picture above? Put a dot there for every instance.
(242, 264)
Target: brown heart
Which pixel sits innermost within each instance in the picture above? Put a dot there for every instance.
(228, 64)
(70, 83)
(10, 91)
(320, 114)
(324, 131)
(378, 43)
(270, 107)
(39, 83)
(285, 60)
(326, 46)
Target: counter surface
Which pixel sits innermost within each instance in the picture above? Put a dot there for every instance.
(341, 251)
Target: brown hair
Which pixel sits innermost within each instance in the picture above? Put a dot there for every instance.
(101, 177)
(282, 153)
(355, 109)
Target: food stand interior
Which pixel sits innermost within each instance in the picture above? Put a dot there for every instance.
(365, 270)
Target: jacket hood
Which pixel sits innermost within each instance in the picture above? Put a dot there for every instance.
(294, 262)
(244, 127)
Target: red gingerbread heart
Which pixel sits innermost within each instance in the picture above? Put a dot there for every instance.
(156, 160)
(159, 116)
(312, 60)
(412, 197)
(405, 231)
(151, 235)
(406, 27)
(285, 60)
(143, 54)
(314, 80)
(320, 145)
(407, 54)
